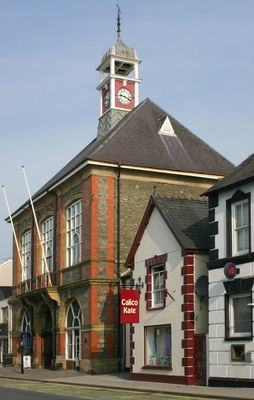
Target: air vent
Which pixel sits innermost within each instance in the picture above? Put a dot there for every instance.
(167, 128)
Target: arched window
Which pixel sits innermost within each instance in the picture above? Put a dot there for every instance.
(26, 330)
(26, 323)
(73, 331)
(73, 231)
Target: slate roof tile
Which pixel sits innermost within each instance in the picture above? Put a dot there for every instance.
(244, 172)
(187, 218)
(135, 141)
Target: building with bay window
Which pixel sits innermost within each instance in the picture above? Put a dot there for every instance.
(66, 288)
(169, 255)
(231, 278)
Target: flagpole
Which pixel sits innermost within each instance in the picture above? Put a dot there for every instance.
(37, 226)
(14, 233)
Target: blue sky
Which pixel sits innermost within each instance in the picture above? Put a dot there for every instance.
(197, 64)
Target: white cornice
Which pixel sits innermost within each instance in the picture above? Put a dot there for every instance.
(116, 165)
(126, 78)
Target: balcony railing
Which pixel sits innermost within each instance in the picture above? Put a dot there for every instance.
(38, 282)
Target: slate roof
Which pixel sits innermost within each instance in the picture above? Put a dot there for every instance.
(135, 141)
(243, 173)
(188, 220)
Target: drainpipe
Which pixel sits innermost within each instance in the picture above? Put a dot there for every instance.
(119, 341)
(54, 305)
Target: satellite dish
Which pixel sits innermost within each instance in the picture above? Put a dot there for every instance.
(201, 286)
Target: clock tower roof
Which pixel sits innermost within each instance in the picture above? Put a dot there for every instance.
(118, 50)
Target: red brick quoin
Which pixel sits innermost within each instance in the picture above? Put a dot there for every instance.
(188, 319)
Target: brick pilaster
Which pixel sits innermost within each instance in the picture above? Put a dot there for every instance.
(188, 318)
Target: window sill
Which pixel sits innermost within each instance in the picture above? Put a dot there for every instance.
(238, 338)
(220, 263)
(165, 367)
(156, 308)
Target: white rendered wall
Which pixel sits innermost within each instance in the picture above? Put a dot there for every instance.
(220, 216)
(157, 240)
(6, 273)
(220, 364)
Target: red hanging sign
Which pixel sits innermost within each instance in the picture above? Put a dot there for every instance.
(129, 306)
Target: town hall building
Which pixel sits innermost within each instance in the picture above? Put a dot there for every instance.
(66, 288)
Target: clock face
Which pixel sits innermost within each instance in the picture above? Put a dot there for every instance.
(106, 99)
(124, 96)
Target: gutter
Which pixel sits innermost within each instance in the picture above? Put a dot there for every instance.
(114, 165)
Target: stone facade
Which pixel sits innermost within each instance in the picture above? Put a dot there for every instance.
(112, 205)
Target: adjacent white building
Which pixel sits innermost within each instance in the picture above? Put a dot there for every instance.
(5, 311)
(169, 255)
(231, 278)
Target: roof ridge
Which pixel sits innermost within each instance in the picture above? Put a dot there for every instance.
(201, 199)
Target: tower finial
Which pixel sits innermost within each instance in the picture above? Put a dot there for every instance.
(118, 22)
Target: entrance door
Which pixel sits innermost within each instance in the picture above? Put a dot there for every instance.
(48, 342)
(48, 353)
(200, 359)
(1, 351)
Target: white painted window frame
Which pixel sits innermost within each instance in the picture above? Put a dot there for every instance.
(47, 237)
(26, 244)
(231, 321)
(158, 273)
(73, 349)
(73, 233)
(26, 323)
(157, 356)
(236, 230)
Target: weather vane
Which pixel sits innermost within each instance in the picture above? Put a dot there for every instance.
(118, 21)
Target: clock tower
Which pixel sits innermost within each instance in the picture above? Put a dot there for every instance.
(119, 83)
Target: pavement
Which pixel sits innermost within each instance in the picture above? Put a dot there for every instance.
(122, 380)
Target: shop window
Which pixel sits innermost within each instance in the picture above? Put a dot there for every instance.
(73, 231)
(239, 315)
(47, 242)
(238, 324)
(73, 332)
(158, 346)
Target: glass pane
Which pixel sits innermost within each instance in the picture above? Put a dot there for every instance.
(158, 345)
(238, 213)
(243, 239)
(5, 314)
(240, 240)
(245, 214)
(75, 307)
(242, 314)
(69, 318)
